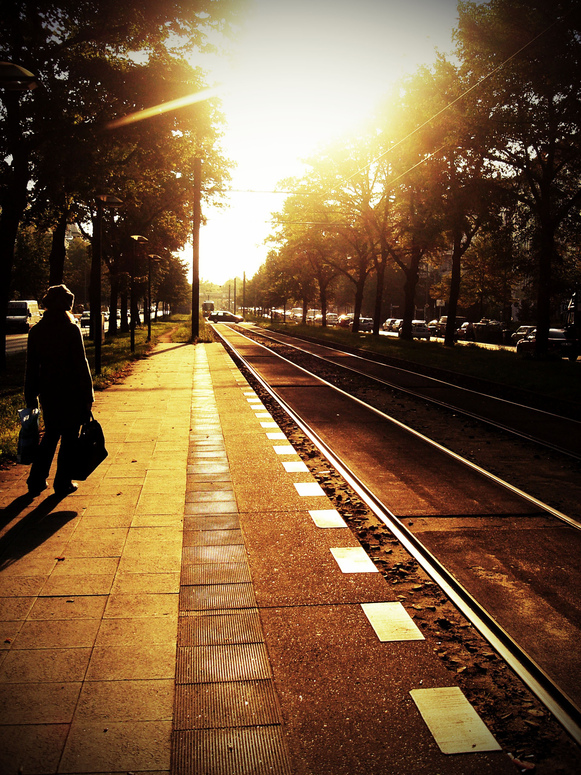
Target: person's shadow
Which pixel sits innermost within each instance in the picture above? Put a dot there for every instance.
(32, 530)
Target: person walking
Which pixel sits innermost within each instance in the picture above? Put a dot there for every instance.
(57, 373)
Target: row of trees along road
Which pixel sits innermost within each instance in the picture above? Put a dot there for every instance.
(95, 62)
(478, 156)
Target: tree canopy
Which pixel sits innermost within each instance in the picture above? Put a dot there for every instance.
(94, 63)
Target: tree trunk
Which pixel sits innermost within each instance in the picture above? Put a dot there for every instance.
(114, 292)
(359, 288)
(544, 292)
(380, 274)
(13, 199)
(449, 336)
(124, 327)
(411, 282)
(58, 251)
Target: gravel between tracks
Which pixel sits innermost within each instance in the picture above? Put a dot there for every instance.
(516, 718)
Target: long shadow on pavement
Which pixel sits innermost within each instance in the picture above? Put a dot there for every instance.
(33, 530)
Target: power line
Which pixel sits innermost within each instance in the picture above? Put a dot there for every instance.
(451, 104)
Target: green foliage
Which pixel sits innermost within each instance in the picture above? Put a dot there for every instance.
(116, 361)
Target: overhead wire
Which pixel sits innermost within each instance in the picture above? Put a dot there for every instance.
(456, 100)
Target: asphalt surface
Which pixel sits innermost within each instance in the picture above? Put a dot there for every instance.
(514, 559)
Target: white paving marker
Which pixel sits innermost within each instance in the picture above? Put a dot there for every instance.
(265, 424)
(353, 559)
(264, 415)
(327, 518)
(294, 467)
(391, 622)
(453, 722)
(307, 489)
(285, 449)
(276, 436)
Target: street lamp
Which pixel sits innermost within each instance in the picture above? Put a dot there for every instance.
(16, 78)
(139, 240)
(150, 258)
(103, 200)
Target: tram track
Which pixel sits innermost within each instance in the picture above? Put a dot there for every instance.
(564, 707)
(557, 432)
(533, 463)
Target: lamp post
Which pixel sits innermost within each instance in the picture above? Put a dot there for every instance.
(150, 258)
(196, 250)
(139, 240)
(103, 200)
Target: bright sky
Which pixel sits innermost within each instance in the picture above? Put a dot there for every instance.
(301, 74)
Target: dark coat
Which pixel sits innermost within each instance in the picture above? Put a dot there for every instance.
(57, 370)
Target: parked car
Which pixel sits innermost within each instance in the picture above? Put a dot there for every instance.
(558, 344)
(365, 324)
(223, 316)
(85, 320)
(345, 321)
(396, 324)
(420, 329)
(467, 331)
(521, 333)
(388, 324)
(433, 327)
(332, 318)
(443, 322)
(21, 316)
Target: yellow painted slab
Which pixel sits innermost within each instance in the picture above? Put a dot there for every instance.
(325, 518)
(308, 489)
(391, 622)
(353, 559)
(294, 467)
(453, 722)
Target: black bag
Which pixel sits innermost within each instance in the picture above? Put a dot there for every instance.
(90, 450)
(28, 437)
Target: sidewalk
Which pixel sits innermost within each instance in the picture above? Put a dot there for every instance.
(199, 606)
(89, 590)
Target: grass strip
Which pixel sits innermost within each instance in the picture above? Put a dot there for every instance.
(116, 361)
(558, 379)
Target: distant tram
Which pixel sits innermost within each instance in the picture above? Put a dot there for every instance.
(207, 308)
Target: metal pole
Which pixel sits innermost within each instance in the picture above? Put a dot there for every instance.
(132, 299)
(149, 298)
(96, 288)
(196, 250)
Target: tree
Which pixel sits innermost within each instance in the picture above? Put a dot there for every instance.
(533, 96)
(89, 58)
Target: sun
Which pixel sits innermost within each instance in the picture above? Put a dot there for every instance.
(299, 76)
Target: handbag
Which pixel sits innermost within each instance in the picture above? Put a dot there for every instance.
(89, 450)
(28, 436)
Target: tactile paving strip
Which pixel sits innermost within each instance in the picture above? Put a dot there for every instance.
(226, 715)
(216, 596)
(256, 750)
(223, 573)
(223, 705)
(211, 629)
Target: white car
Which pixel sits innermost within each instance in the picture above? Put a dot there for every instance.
(420, 329)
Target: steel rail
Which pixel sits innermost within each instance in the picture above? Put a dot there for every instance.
(468, 463)
(435, 401)
(560, 705)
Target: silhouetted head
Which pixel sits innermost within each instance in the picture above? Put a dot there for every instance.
(58, 299)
